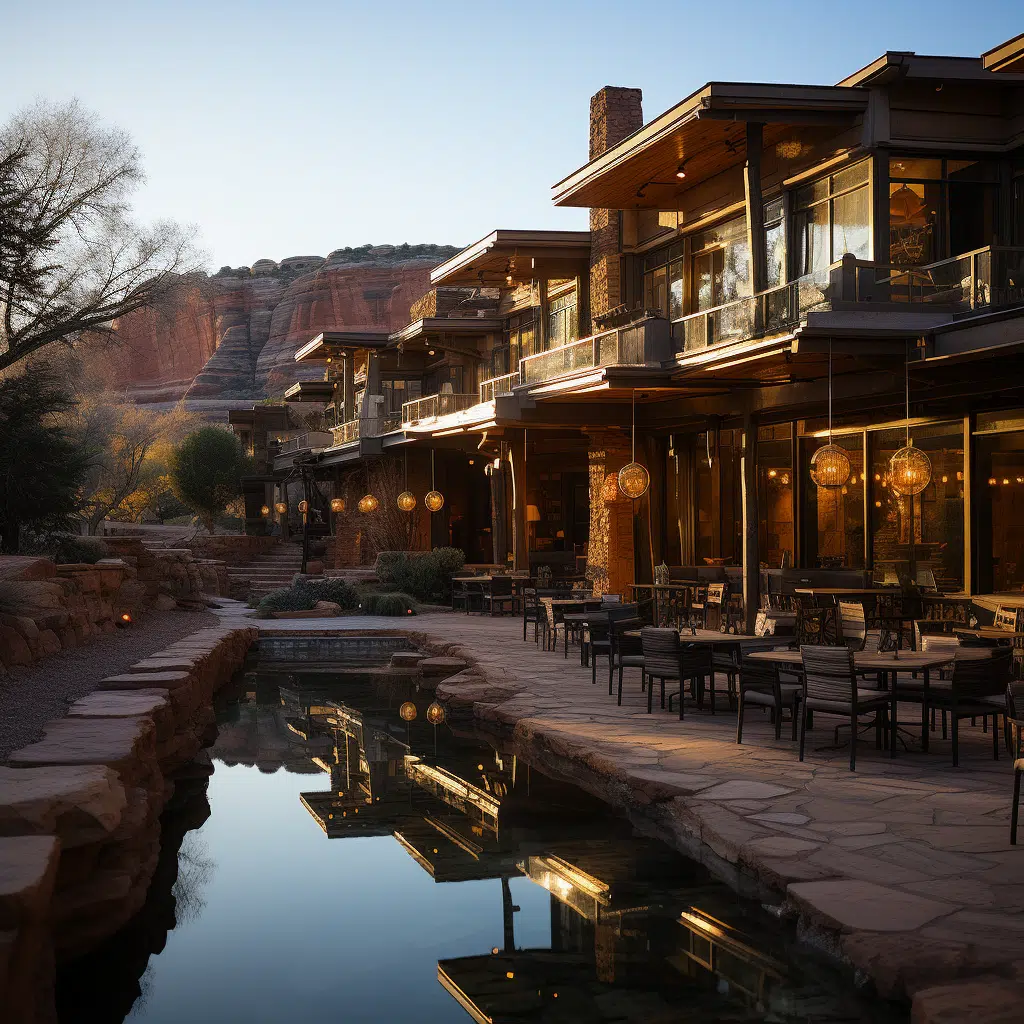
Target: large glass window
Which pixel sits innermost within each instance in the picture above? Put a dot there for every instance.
(563, 322)
(775, 242)
(719, 265)
(1001, 511)
(775, 495)
(519, 342)
(832, 217)
(940, 208)
(397, 391)
(719, 520)
(925, 532)
(663, 281)
(833, 519)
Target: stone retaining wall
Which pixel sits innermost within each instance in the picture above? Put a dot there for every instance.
(80, 809)
(232, 550)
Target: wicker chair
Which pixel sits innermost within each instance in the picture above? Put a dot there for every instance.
(665, 657)
(761, 684)
(830, 687)
(964, 694)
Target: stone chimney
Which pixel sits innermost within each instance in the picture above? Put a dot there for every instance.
(614, 114)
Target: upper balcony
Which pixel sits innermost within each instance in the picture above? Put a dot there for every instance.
(432, 407)
(644, 343)
(354, 430)
(305, 442)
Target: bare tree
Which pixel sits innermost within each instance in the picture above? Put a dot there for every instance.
(72, 259)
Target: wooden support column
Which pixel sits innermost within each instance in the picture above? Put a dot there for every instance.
(519, 526)
(755, 207)
(751, 559)
(542, 327)
(499, 538)
(348, 387)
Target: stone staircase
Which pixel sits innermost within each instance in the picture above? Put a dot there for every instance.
(266, 572)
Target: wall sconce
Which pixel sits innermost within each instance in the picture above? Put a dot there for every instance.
(532, 514)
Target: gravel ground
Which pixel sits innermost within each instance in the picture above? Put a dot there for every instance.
(29, 698)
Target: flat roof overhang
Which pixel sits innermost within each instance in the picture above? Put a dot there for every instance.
(273, 417)
(321, 391)
(331, 342)
(450, 326)
(536, 254)
(707, 130)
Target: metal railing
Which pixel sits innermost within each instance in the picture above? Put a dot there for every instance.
(990, 276)
(634, 345)
(303, 442)
(346, 432)
(433, 406)
(504, 385)
(768, 312)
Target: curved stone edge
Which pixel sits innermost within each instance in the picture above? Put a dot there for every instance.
(86, 799)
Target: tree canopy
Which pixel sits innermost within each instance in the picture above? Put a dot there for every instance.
(206, 472)
(72, 258)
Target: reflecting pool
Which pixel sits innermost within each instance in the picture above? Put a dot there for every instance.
(343, 863)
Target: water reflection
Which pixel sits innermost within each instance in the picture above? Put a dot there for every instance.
(614, 926)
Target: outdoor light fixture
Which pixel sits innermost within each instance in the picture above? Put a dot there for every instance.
(124, 620)
(407, 501)
(430, 351)
(634, 478)
(434, 499)
(408, 711)
(830, 465)
(303, 506)
(681, 170)
(435, 713)
(264, 510)
(368, 503)
(910, 467)
(281, 508)
(337, 504)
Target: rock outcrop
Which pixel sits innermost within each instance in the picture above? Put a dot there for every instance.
(232, 336)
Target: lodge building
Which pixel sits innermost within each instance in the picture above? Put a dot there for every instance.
(768, 267)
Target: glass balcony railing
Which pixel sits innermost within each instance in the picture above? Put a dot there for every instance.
(434, 406)
(992, 276)
(640, 344)
(774, 311)
(504, 385)
(305, 442)
(345, 432)
(353, 430)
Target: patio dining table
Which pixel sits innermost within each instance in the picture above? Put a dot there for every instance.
(887, 665)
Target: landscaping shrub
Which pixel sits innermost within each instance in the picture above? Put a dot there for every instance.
(338, 591)
(394, 571)
(66, 548)
(388, 604)
(290, 599)
(304, 594)
(432, 574)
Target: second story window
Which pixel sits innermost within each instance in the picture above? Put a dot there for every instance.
(563, 321)
(519, 342)
(832, 217)
(719, 265)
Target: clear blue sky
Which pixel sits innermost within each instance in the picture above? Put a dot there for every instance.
(287, 129)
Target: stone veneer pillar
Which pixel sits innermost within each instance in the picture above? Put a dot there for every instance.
(610, 549)
(615, 113)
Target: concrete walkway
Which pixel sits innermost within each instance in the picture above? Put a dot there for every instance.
(904, 868)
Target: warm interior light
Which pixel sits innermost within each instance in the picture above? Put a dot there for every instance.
(830, 466)
(772, 474)
(911, 471)
(430, 352)
(532, 514)
(681, 170)
(992, 481)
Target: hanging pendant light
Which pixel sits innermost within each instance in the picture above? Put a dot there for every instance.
(368, 503)
(910, 468)
(634, 478)
(264, 510)
(434, 499)
(830, 465)
(337, 505)
(406, 501)
(281, 508)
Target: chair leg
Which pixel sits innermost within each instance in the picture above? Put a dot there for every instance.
(943, 723)
(803, 729)
(853, 740)
(778, 721)
(650, 692)
(682, 700)
(711, 690)
(995, 737)
(663, 692)
(593, 670)
(793, 714)
(956, 746)
(1013, 809)
(620, 686)
(739, 715)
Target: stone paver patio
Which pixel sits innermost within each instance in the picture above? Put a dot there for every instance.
(904, 868)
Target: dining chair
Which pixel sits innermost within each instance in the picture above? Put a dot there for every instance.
(765, 684)
(1015, 730)
(964, 694)
(668, 657)
(713, 598)
(853, 629)
(498, 594)
(830, 686)
(626, 652)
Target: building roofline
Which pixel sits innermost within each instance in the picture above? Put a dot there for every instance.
(504, 238)
(340, 340)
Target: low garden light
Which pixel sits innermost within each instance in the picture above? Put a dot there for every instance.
(337, 505)
(124, 620)
(408, 711)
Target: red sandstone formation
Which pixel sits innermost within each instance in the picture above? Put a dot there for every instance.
(234, 335)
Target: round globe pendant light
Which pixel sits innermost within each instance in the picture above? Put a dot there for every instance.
(337, 504)
(265, 510)
(281, 508)
(910, 468)
(830, 465)
(368, 503)
(634, 478)
(435, 713)
(408, 711)
(434, 499)
(406, 501)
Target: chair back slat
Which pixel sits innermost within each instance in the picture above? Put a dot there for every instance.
(982, 677)
(623, 611)
(828, 673)
(852, 624)
(661, 651)
(939, 643)
(501, 586)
